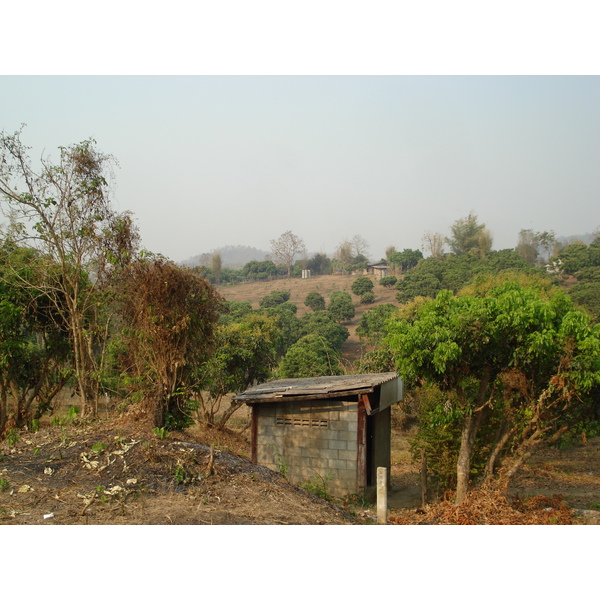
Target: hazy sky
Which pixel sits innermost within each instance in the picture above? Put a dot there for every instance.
(209, 161)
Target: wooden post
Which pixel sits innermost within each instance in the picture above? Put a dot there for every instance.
(381, 496)
(423, 478)
(361, 434)
(254, 435)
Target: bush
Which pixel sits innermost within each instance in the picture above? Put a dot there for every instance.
(341, 307)
(372, 324)
(322, 324)
(310, 356)
(389, 281)
(315, 301)
(274, 299)
(367, 298)
(362, 285)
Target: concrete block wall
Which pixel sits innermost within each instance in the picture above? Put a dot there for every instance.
(309, 438)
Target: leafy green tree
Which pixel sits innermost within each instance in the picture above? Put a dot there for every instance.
(34, 349)
(288, 326)
(244, 355)
(372, 324)
(405, 260)
(467, 234)
(417, 284)
(341, 307)
(319, 264)
(314, 301)
(367, 298)
(587, 295)
(362, 285)
(453, 272)
(322, 324)
(388, 281)
(576, 257)
(274, 298)
(519, 361)
(310, 356)
(259, 270)
(235, 311)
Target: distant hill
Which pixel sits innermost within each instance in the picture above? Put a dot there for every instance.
(586, 238)
(234, 257)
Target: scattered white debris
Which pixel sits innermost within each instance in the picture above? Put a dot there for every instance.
(49, 516)
(90, 464)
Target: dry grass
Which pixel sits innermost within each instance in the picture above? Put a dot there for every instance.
(324, 285)
(487, 507)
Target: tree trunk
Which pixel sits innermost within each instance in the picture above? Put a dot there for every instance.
(467, 440)
(463, 464)
(503, 436)
(524, 452)
(233, 407)
(3, 403)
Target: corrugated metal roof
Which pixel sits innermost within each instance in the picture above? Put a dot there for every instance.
(314, 387)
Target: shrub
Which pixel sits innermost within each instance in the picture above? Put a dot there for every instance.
(367, 298)
(315, 301)
(274, 299)
(341, 307)
(361, 286)
(389, 281)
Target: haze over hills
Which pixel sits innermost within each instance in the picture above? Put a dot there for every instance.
(234, 257)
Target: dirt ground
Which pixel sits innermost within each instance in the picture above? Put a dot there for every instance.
(115, 471)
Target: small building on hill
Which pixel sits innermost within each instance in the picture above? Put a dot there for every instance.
(334, 429)
(380, 269)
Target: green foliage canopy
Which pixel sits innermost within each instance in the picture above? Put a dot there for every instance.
(468, 345)
(341, 307)
(274, 298)
(310, 356)
(315, 301)
(361, 285)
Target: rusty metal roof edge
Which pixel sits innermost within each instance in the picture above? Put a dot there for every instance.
(364, 383)
(291, 398)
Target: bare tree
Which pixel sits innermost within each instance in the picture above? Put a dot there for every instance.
(64, 212)
(343, 254)
(433, 243)
(286, 247)
(359, 245)
(536, 247)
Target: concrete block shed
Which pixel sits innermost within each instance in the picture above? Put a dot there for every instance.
(336, 428)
